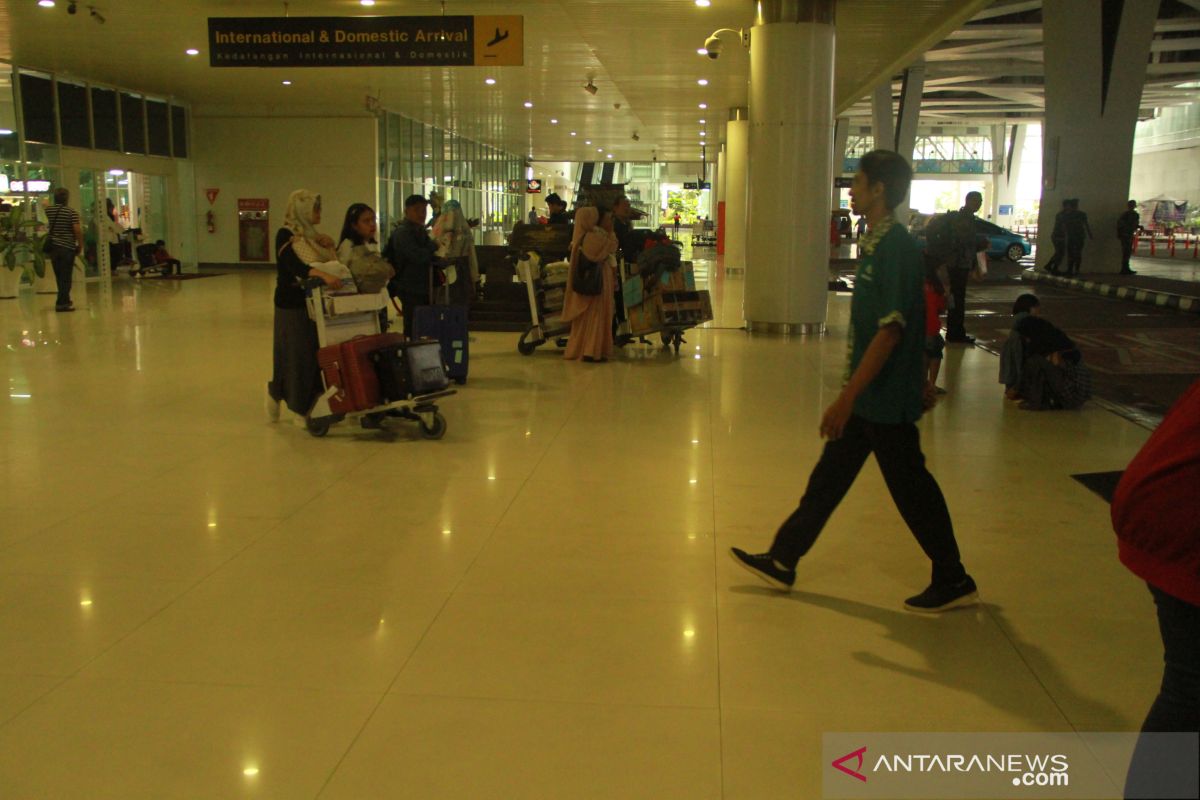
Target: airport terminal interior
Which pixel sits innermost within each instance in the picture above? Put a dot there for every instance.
(532, 595)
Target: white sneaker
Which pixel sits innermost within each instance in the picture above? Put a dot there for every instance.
(272, 406)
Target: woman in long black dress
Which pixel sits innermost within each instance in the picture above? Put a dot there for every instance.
(298, 246)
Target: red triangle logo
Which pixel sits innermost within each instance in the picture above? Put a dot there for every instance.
(858, 754)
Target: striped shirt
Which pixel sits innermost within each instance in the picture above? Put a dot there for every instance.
(63, 220)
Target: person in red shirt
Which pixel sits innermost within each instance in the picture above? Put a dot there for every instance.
(935, 345)
(163, 258)
(1156, 516)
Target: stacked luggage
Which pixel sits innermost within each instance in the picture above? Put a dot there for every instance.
(369, 373)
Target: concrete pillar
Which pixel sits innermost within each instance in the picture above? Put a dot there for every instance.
(791, 150)
(883, 123)
(1007, 146)
(1096, 56)
(911, 90)
(841, 133)
(718, 216)
(737, 151)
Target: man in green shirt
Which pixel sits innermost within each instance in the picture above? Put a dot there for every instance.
(884, 395)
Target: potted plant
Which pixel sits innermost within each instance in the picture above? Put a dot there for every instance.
(20, 246)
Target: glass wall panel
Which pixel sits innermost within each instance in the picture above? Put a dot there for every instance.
(104, 119)
(73, 114)
(10, 146)
(179, 131)
(158, 130)
(133, 124)
(37, 106)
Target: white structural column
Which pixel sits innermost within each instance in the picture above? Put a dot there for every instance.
(841, 134)
(791, 150)
(883, 121)
(1007, 145)
(1096, 56)
(737, 143)
(909, 114)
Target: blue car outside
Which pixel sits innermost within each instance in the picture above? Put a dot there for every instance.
(1002, 243)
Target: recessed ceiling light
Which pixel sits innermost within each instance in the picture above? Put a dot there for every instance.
(553, 122)
(528, 104)
(287, 83)
(704, 105)
(6, 132)
(703, 134)
(191, 51)
(701, 51)
(573, 133)
(46, 3)
(609, 155)
(490, 81)
(372, 2)
(587, 141)
(701, 122)
(703, 81)
(599, 149)
(704, 3)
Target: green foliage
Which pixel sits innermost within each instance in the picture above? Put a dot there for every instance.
(20, 242)
(686, 203)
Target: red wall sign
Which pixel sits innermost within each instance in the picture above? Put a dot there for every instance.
(253, 204)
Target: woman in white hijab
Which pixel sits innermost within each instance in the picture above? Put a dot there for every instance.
(298, 245)
(456, 242)
(591, 316)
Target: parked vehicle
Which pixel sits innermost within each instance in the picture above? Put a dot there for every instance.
(1002, 243)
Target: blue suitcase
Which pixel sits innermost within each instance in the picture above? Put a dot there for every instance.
(448, 325)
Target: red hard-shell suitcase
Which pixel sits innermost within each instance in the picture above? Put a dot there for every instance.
(330, 360)
(362, 381)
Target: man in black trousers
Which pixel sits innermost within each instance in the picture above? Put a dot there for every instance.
(884, 394)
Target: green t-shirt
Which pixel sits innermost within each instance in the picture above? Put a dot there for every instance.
(889, 287)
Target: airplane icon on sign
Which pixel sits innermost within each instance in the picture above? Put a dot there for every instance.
(498, 38)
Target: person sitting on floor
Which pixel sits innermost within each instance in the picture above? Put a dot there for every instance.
(1012, 357)
(1053, 375)
(164, 259)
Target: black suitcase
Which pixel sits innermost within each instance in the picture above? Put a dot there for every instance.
(448, 325)
(410, 369)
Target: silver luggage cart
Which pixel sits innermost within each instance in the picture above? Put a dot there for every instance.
(546, 286)
(340, 318)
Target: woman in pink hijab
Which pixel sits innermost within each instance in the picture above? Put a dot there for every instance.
(591, 316)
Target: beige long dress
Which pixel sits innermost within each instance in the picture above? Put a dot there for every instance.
(591, 316)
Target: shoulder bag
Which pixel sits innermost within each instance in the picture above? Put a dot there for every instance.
(588, 276)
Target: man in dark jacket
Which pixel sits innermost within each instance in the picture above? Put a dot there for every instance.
(962, 261)
(1127, 225)
(1076, 223)
(411, 252)
(557, 209)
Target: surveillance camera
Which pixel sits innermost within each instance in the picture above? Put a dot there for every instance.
(590, 88)
(72, 8)
(713, 46)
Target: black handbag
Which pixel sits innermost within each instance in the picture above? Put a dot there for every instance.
(588, 278)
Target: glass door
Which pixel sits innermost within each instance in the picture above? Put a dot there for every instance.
(89, 211)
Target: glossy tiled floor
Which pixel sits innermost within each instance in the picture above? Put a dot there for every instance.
(196, 603)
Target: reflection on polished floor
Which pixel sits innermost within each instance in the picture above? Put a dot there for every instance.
(196, 603)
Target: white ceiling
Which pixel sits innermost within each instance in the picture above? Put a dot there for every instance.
(991, 70)
(641, 53)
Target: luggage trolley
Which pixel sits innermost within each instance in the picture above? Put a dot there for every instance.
(540, 255)
(666, 309)
(341, 318)
(546, 287)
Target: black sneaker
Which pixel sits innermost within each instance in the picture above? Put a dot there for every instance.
(937, 598)
(763, 567)
(64, 308)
